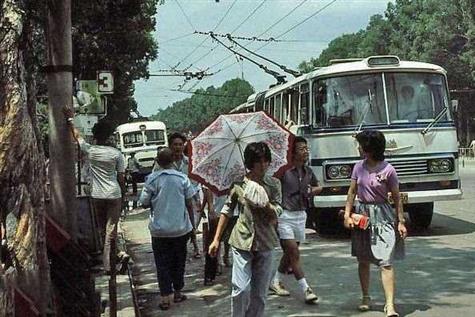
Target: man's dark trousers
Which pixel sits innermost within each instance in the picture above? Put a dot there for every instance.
(170, 259)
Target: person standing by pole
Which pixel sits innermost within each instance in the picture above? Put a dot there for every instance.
(299, 185)
(107, 169)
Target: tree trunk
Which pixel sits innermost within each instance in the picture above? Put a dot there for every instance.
(22, 165)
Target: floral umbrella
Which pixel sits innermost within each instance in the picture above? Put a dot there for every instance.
(217, 153)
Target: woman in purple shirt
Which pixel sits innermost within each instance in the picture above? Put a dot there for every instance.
(380, 243)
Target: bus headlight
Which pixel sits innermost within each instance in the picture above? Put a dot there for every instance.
(440, 166)
(338, 171)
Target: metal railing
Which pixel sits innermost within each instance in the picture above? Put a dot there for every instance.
(466, 154)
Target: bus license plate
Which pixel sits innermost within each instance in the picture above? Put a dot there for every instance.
(404, 198)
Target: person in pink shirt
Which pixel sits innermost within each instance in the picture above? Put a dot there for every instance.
(378, 229)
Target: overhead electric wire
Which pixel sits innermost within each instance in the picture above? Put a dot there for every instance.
(281, 19)
(283, 67)
(172, 55)
(186, 16)
(204, 40)
(195, 92)
(225, 15)
(254, 38)
(308, 18)
(234, 30)
(279, 77)
(280, 35)
(177, 38)
(249, 16)
(268, 29)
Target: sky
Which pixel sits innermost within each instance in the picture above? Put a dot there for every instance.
(181, 48)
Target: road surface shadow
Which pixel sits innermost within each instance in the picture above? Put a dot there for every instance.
(443, 225)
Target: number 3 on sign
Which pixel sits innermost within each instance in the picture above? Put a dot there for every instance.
(105, 82)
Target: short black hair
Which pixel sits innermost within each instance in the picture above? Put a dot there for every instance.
(255, 152)
(174, 136)
(102, 130)
(165, 157)
(373, 142)
(298, 139)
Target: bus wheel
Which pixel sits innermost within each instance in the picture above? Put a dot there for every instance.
(421, 214)
(328, 221)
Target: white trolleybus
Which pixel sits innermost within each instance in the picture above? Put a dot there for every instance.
(407, 101)
(142, 138)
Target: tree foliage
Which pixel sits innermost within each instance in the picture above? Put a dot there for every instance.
(193, 114)
(114, 35)
(434, 31)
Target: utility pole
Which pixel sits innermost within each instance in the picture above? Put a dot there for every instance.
(59, 75)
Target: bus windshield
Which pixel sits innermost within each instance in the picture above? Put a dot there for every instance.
(360, 99)
(136, 138)
(416, 97)
(349, 101)
(133, 139)
(153, 137)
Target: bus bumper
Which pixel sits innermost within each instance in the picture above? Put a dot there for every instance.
(339, 201)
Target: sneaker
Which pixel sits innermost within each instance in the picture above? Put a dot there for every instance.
(310, 296)
(278, 289)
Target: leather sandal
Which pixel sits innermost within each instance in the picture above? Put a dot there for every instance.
(165, 303)
(179, 297)
(164, 306)
(390, 311)
(365, 303)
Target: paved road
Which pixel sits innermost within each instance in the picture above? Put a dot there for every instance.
(436, 279)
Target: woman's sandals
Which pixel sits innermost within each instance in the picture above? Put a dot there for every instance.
(365, 304)
(390, 311)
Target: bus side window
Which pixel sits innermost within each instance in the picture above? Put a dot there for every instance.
(319, 100)
(294, 105)
(285, 107)
(266, 105)
(278, 108)
(304, 103)
(271, 107)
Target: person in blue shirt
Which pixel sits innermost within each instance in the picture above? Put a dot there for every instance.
(169, 193)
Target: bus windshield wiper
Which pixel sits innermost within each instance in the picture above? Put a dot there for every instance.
(436, 119)
(369, 107)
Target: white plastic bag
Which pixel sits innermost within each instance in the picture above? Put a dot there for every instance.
(256, 194)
